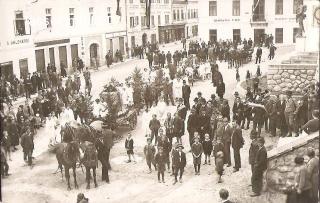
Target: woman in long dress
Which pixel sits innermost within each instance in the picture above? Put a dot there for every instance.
(177, 88)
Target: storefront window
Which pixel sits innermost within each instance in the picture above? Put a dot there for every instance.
(236, 7)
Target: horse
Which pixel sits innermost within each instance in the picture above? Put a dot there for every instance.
(68, 154)
(90, 161)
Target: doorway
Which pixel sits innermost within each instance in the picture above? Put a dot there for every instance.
(6, 69)
(74, 53)
(63, 56)
(121, 45)
(94, 54)
(258, 36)
(133, 42)
(51, 56)
(23, 64)
(40, 62)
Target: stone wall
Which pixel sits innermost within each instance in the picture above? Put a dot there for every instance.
(294, 77)
(281, 166)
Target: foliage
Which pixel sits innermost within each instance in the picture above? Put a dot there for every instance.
(137, 86)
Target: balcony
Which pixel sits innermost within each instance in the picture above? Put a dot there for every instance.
(258, 20)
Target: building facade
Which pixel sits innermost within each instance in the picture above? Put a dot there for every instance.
(138, 31)
(41, 32)
(234, 19)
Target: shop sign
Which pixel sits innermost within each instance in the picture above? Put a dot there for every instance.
(18, 41)
(115, 34)
(285, 18)
(227, 20)
(52, 42)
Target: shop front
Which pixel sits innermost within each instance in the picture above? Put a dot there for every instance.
(171, 33)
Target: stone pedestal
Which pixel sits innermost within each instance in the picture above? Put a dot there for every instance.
(301, 44)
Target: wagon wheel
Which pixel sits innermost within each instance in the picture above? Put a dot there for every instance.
(133, 121)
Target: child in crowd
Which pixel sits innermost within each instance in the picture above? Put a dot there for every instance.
(207, 148)
(129, 148)
(196, 153)
(149, 152)
(160, 160)
(219, 165)
(174, 149)
(224, 195)
(6, 144)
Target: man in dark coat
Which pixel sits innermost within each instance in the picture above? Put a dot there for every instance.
(178, 127)
(168, 92)
(253, 149)
(220, 89)
(272, 50)
(237, 143)
(103, 149)
(148, 96)
(34, 81)
(154, 126)
(237, 111)
(150, 59)
(27, 146)
(258, 54)
(162, 58)
(192, 125)
(186, 91)
(168, 57)
(224, 133)
(258, 118)
(178, 162)
(281, 121)
(260, 165)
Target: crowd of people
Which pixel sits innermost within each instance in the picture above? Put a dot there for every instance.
(213, 126)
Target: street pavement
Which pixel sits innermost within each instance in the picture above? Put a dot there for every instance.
(130, 182)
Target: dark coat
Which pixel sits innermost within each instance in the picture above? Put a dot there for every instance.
(186, 91)
(220, 89)
(238, 111)
(237, 140)
(192, 123)
(176, 162)
(178, 127)
(261, 161)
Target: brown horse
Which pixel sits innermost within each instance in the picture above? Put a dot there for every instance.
(68, 154)
(90, 161)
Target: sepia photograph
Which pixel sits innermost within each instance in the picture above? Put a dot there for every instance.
(159, 101)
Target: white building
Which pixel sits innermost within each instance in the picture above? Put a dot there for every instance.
(231, 19)
(138, 32)
(38, 32)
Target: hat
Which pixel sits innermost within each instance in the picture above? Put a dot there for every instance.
(179, 145)
(236, 94)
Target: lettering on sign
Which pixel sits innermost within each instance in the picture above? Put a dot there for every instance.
(285, 18)
(18, 41)
(227, 20)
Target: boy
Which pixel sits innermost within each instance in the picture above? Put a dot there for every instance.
(179, 162)
(160, 161)
(207, 148)
(224, 194)
(149, 151)
(196, 153)
(164, 143)
(129, 148)
(154, 126)
(219, 165)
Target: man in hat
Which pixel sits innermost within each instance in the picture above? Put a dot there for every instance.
(179, 162)
(154, 126)
(224, 133)
(27, 146)
(182, 109)
(186, 91)
(289, 112)
(260, 165)
(237, 142)
(238, 110)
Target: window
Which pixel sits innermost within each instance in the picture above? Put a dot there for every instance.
(91, 15)
(178, 15)
(182, 15)
(279, 35)
(167, 19)
(279, 7)
(166, 1)
(131, 22)
(213, 35)
(174, 15)
(143, 21)
(48, 17)
(236, 7)
(130, 1)
(188, 13)
(159, 20)
(236, 35)
(295, 5)
(295, 32)
(212, 8)
(152, 21)
(109, 14)
(71, 16)
(136, 21)
(20, 28)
